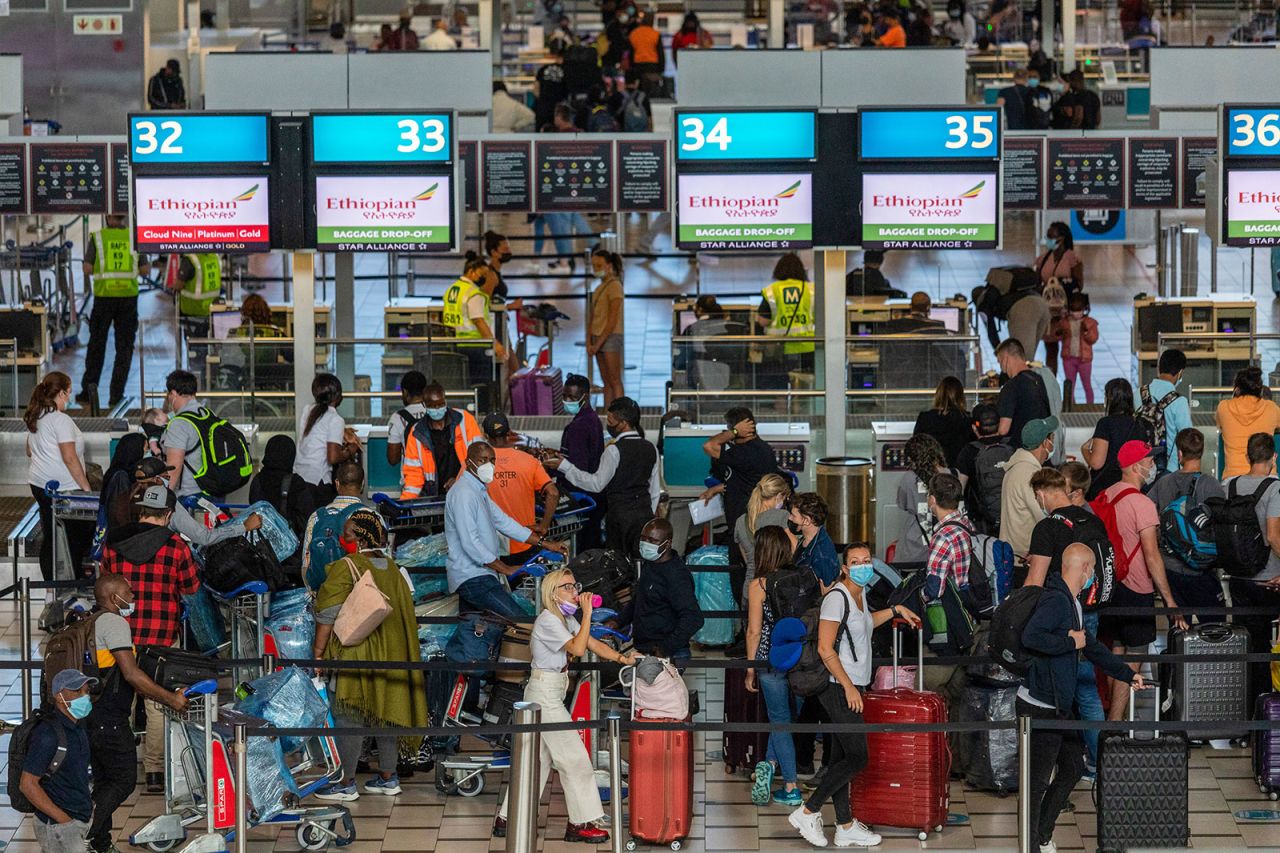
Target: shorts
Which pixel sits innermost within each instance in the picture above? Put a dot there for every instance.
(613, 343)
(1131, 632)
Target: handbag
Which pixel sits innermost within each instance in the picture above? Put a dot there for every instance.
(887, 678)
(667, 698)
(365, 609)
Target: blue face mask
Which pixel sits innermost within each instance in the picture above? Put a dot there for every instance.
(438, 414)
(1050, 242)
(863, 575)
(573, 406)
(1088, 583)
(649, 551)
(79, 707)
(1033, 82)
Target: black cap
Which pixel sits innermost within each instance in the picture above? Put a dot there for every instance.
(495, 425)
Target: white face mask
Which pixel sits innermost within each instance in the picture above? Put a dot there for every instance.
(1150, 476)
(485, 473)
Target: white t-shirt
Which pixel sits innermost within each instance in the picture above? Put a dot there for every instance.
(547, 641)
(52, 430)
(312, 461)
(395, 426)
(858, 637)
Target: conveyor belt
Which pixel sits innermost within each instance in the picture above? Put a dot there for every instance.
(12, 511)
(86, 424)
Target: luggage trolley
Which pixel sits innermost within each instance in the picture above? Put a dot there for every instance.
(199, 759)
(66, 506)
(247, 606)
(427, 515)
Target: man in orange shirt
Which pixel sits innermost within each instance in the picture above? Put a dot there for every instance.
(518, 480)
(894, 34)
(647, 53)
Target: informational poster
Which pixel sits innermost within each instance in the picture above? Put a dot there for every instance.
(1086, 173)
(380, 214)
(1253, 207)
(1153, 173)
(13, 179)
(930, 210)
(120, 179)
(641, 176)
(745, 211)
(507, 175)
(68, 178)
(223, 214)
(1023, 161)
(574, 176)
(1196, 152)
(469, 165)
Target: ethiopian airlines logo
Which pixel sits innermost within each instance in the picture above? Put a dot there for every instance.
(790, 191)
(426, 194)
(248, 194)
(938, 205)
(380, 209)
(974, 191)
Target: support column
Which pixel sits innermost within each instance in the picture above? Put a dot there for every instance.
(831, 312)
(489, 27)
(777, 24)
(1047, 27)
(1068, 35)
(304, 322)
(343, 317)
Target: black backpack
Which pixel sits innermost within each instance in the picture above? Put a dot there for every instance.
(19, 743)
(1242, 545)
(978, 597)
(409, 419)
(603, 572)
(988, 478)
(224, 454)
(1151, 415)
(810, 675)
(232, 563)
(792, 592)
(1010, 618)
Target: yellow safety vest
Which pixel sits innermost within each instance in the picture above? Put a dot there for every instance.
(791, 306)
(455, 309)
(197, 295)
(115, 266)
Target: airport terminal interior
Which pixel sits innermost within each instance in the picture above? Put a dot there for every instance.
(847, 221)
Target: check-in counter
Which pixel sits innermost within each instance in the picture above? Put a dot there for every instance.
(24, 333)
(1211, 361)
(225, 316)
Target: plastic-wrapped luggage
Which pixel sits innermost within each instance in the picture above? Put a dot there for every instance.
(271, 785)
(423, 552)
(291, 624)
(274, 529)
(287, 699)
(204, 619)
(990, 757)
(714, 593)
(432, 639)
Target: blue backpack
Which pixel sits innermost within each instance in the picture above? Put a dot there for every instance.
(1186, 531)
(324, 548)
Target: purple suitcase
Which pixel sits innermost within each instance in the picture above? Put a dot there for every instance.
(537, 391)
(1266, 746)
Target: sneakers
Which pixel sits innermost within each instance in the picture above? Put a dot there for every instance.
(792, 798)
(762, 783)
(378, 785)
(805, 772)
(586, 833)
(499, 827)
(1049, 847)
(338, 792)
(855, 835)
(155, 783)
(810, 826)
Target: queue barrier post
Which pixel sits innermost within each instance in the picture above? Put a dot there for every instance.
(24, 617)
(1024, 784)
(241, 747)
(522, 816)
(615, 781)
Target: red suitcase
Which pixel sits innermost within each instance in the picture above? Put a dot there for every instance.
(906, 780)
(661, 798)
(743, 750)
(537, 391)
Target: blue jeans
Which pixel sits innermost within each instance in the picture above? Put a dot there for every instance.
(779, 702)
(561, 224)
(486, 592)
(1088, 703)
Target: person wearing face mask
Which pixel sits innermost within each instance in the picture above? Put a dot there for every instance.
(627, 476)
(961, 27)
(381, 698)
(604, 334)
(1019, 509)
(472, 526)
(814, 551)
(435, 447)
(468, 310)
(556, 636)
(1076, 332)
(1163, 393)
(1023, 397)
(1056, 637)
(582, 443)
(1136, 539)
(60, 794)
(113, 753)
(1058, 261)
(1013, 99)
(1119, 425)
(519, 480)
(1039, 100)
(663, 612)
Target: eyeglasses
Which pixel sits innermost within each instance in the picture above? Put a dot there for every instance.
(576, 587)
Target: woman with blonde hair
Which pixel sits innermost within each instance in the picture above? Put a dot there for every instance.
(56, 449)
(767, 507)
(556, 635)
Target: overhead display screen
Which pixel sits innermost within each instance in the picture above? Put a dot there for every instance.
(930, 211)
(773, 135)
(1253, 207)
(744, 211)
(368, 214)
(223, 214)
(929, 134)
(382, 138)
(211, 138)
(1252, 131)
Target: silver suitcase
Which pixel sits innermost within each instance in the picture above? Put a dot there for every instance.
(1214, 690)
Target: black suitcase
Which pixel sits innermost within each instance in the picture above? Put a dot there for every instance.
(174, 668)
(1211, 691)
(742, 750)
(1142, 790)
(605, 573)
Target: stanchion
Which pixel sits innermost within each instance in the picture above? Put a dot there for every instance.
(242, 788)
(522, 820)
(24, 618)
(615, 781)
(1024, 784)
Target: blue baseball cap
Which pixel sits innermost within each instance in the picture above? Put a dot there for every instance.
(70, 679)
(786, 643)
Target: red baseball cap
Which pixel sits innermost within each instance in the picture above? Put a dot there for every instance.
(1132, 452)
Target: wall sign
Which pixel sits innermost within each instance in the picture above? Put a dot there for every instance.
(1023, 166)
(641, 176)
(13, 179)
(741, 211)
(1086, 173)
(1196, 153)
(574, 176)
(68, 178)
(119, 178)
(506, 176)
(469, 166)
(1153, 173)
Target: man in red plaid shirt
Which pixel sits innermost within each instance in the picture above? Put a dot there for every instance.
(952, 540)
(161, 569)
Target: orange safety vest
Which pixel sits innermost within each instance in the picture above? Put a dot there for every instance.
(419, 466)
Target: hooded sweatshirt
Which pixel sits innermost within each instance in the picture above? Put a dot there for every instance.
(161, 570)
(1239, 418)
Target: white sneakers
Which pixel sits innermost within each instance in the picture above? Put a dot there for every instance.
(854, 835)
(1049, 848)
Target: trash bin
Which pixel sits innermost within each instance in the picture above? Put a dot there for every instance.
(847, 484)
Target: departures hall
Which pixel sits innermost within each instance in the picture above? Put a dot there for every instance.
(547, 426)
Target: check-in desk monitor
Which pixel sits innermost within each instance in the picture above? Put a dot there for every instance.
(1210, 362)
(685, 468)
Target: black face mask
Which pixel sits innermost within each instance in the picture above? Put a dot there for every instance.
(793, 527)
(505, 257)
(614, 430)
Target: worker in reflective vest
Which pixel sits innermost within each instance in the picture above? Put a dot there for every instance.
(435, 448)
(200, 277)
(468, 310)
(111, 268)
(786, 311)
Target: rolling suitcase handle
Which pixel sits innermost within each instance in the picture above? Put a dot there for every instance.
(1133, 695)
(897, 623)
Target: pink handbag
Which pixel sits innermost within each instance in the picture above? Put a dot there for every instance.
(886, 680)
(365, 609)
(667, 698)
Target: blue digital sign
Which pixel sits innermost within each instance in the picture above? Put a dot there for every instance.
(382, 137)
(205, 138)
(1252, 131)
(773, 135)
(930, 134)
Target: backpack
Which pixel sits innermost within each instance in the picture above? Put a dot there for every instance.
(18, 746)
(1105, 509)
(1151, 416)
(810, 675)
(70, 648)
(1007, 624)
(601, 121)
(1104, 559)
(995, 557)
(1186, 531)
(792, 592)
(988, 478)
(232, 563)
(323, 547)
(224, 454)
(634, 117)
(977, 595)
(409, 419)
(1241, 543)
(1056, 295)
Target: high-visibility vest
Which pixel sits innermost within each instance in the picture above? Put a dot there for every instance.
(418, 468)
(197, 295)
(115, 266)
(791, 307)
(455, 309)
